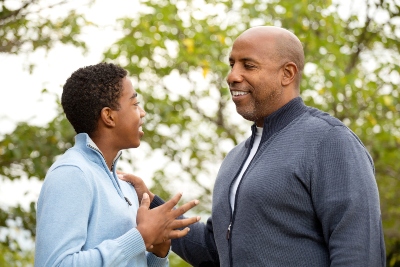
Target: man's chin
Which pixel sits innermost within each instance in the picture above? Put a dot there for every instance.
(247, 115)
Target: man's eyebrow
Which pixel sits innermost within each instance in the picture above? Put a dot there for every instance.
(245, 59)
(134, 96)
(248, 59)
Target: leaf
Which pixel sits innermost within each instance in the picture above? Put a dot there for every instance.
(189, 43)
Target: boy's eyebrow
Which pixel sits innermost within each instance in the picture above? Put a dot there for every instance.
(134, 96)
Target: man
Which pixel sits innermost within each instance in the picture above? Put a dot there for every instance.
(301, 190)
(86, 216)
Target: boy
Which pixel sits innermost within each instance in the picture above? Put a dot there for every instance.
(86, 216)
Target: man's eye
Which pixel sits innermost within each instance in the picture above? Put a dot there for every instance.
(247, 66)
(137, 104)
(231, 64)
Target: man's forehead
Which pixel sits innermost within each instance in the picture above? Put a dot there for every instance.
(246, 50)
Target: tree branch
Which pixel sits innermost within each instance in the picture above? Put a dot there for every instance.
(361, 43)
(15, 13)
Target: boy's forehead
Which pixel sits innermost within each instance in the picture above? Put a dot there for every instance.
(133, 83)
(129, 88)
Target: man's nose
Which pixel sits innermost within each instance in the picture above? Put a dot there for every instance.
(234, 76)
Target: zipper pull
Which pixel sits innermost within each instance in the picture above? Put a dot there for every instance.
(229, 231)
(127, 201)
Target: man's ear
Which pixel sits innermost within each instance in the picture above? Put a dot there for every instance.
(289, 73)
(107, 116)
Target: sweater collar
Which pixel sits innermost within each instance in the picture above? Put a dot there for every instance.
(83, 140)
(280, 118)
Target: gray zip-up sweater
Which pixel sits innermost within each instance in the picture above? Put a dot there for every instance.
(308, 198)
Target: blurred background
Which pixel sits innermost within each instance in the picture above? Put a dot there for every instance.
(176, 53)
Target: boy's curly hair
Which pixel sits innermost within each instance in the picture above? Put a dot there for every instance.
(88, 91)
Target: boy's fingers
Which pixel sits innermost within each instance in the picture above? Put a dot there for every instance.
(170, 204)
(184, 208)
(184, 222)
(178, 233)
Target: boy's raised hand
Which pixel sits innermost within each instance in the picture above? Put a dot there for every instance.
(160, 224)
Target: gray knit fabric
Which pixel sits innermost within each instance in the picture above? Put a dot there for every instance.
(308, 198)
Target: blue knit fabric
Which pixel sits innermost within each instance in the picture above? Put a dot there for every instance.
(308, 198)
(83, 218)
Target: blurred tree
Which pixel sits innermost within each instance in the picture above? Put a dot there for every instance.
(27, 152)
(177, 50)
(27, 25)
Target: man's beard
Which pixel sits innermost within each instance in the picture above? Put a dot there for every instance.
(248, 112)
(260, 109)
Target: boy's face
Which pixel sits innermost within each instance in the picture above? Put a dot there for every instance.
(129, 121)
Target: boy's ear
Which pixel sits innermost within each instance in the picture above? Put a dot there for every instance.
(107, 115)
(289, 73)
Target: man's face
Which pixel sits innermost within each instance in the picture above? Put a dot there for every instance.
(254, 79)
(129, 120)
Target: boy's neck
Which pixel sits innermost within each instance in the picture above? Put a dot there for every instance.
(107, 149)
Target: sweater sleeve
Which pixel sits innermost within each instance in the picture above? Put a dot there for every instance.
(154, 261)
(63, 213)
(346, 200)
(198, 247)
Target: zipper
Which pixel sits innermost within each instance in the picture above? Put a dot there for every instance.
(127, 201)
(230, 226)
(97, 150)
(229, 231)
(234, 214)
(112, 166)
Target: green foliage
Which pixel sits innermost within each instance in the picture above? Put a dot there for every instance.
(176, 261)
(22, 223)
(12, 258)
(24, 28)
(177, 51)
(28, 151)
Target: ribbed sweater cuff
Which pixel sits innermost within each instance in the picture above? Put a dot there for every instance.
(132, 244)
(157, 201)
(153, 260)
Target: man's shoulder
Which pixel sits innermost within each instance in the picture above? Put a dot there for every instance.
(323, 118)
(317, 124)
(324, 126)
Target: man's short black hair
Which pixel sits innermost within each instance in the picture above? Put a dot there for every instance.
(88, 91)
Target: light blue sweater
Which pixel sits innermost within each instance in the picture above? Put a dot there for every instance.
(83, 218)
